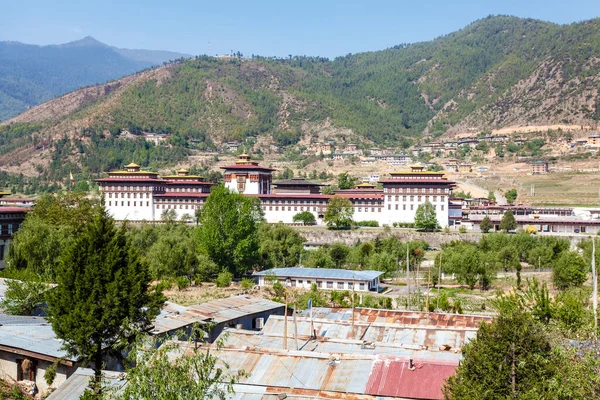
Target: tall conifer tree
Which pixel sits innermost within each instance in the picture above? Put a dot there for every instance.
(103, 297)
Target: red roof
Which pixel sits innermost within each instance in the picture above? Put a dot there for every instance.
(178, 194)
(140, 180)
(175, 182)
(392, 377)
(293, 196)
(9, 210)
(378, 196)
(248, 167)
(424, 181)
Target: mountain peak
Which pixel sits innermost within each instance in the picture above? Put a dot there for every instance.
(86, 41)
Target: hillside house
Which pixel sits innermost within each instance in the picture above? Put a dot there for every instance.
(594, 140)
(539, 167)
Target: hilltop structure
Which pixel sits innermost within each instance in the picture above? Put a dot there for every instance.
(136, 195)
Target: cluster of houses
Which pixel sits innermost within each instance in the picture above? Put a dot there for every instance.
(356, 353)
(450, 146)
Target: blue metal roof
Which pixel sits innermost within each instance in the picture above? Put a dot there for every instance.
(321, 273)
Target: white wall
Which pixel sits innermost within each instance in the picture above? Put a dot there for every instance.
(8, 371)
(118, 208)
(307, 284)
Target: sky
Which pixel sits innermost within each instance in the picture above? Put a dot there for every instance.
(326, 28)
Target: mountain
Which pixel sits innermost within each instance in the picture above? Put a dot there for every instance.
(495, 73)
(30, 75)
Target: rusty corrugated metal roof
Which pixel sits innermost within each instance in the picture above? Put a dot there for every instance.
(400, 317)
(173, 316)
(347, 375)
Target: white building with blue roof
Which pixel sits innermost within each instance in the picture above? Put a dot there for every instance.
(324, 278)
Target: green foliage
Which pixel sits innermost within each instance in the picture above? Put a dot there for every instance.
(228, 230)
(54, 223)
(346, 181)
(367, 223)
(224, 279)
(22, 297)
(164, 371)
(247, 283)
(570, 269)
(486, 224)
(103, 295)
(339, 213)
(508, 222)
(280, 246)
(511, 195)
(426, 217)
(306, 217)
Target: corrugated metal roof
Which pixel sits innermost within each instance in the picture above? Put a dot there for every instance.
(342, 375)
(322, 273)
(33, 335)
(408, 337)
(402, 317)
(173, 316)
(73, 388)
(249, 339)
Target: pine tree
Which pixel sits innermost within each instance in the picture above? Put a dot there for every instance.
(103, 297)
(486, 224)
(508, 222)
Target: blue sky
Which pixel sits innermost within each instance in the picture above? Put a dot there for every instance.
(269, 28)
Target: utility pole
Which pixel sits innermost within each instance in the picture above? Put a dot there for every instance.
(594, 286)
(353, 285)
(408, 276)
(285, 328)
(437, 305)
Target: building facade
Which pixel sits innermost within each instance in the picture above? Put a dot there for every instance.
(136, 195)
(324, 278)
(11, 219)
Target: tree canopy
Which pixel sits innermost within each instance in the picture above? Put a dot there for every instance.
(228, 230)
(339, 213)
(426, 217)
(103, 296)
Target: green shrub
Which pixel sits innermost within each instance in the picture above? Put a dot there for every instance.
(367, 223)
(182, 282)
(462, 229)
(247, 283)
(224, 279)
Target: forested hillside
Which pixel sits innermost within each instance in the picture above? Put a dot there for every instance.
(30, 75)
(497, 72)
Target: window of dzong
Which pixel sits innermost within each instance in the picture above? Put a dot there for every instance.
(393, 190)
(411, 207)
(442, 207)
(135, 203)
(109, 203)
(418, 198)
(128, 204)
(389, 198)
(396, 206)
(389, 206)
(412, 198)
(430, 190)
(397, 197)
(404, 207)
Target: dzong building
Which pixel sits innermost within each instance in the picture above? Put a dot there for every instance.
(137, 195)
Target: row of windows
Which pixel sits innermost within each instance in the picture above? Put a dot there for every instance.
(136, 188)
(416, 190)
(179, 201)
(293, 202)
(367, 209)
(412, 207)
(174, 206)
(186, 190)
(110, 195)
(419, 198)
(135, 203)
(326, 284)
(270, 208)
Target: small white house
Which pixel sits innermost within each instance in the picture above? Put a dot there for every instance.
(324, 278)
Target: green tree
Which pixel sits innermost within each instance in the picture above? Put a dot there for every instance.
(346, 181)
(510, 358)
(570, 269)
(511, 195)
(486, 224)
(103, 295)
(228, 230)
(339, 213)
(338, 253)
(426, 217)
(280, 246)
(48, 229)
(169, 216)
(306, 217)
(22, 297)
(508, 223)
(166, 372)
